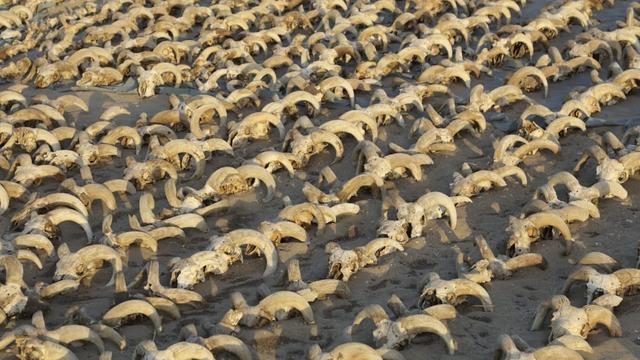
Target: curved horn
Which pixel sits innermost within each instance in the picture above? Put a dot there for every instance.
(177, 146)
(610, 188)
(584, 273)
(167, 232)
(631, 162)
(290, 213)
(60, 215)
(171, 193)
(563, 123)
(508, 346)
(323, 136)
(596, 258)
(230, 344)
(552, 352)
(421, 323)
(354, 350)
(146, 205)
(165, 305)
(13, 270)
(283, 229)
(102, 193)
(255, 238)
(574, 107)
(466, 287)
(58, 287)
(50, 348)
(628, 277)
(524, 39)
(341, 209)
(351, 187)
(287, 300)
(484, 176)
(70, 333)
(127, 238)
(483, 247)
(590, 207)
(325, 287)
(112, 112)
(374, 312)
(505, 143)
(109, 333)
(524, 260)
(165, 166)
(343, 126)
(598, 315)
(505, 171)
(565, 178)
(35, 241)
(437, 199)
(411, 162)
(167, 67)
(441, 311)
(120, 186)
(188, 221)
(337, 81)
(522, 73)
(120, 132)
(50, 201)
(128, 308)
(536, 145)
(298, 96)
(28, 255)
(4, 200)
(195, 118)
(544, 219)
(260, 173)
(379, 246)
(185, 351)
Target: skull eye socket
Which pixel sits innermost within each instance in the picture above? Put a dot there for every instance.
(597, 293)
(622, 177)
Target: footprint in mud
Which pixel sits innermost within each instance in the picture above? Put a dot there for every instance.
(421, 264)
(482, 318)
(378, 285)
(363, 332)
(337, 311)
(295, 354)
(520, 303)
(208, 288)
(240, 279)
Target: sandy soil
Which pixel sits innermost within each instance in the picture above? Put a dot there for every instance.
(475, 331)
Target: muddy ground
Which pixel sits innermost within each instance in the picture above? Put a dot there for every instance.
(476, 332)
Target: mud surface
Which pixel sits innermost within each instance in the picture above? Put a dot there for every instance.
(476, 331)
